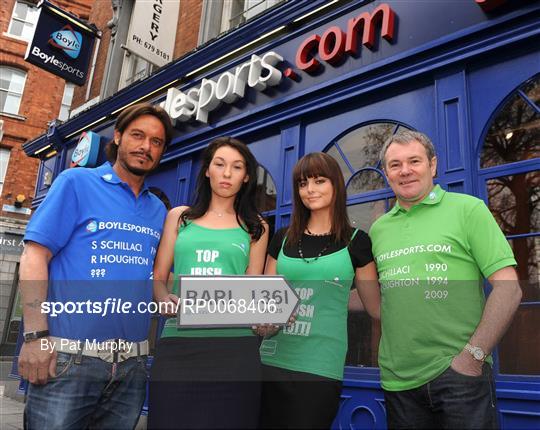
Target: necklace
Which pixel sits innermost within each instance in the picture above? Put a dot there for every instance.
(219, 214)
(318, 234)
(317, 257)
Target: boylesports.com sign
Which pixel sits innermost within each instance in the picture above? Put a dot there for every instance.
(61, 45)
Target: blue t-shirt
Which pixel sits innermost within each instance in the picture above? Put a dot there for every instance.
(103, 240)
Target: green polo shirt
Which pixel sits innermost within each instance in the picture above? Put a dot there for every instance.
(431, 261)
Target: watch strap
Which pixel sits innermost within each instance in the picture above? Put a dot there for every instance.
(29, 336)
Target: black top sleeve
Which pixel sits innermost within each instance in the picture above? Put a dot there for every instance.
(275, 243)
(360, 249)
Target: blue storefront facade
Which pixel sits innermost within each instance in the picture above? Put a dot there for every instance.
(349, 75)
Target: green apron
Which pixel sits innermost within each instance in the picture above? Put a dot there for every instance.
(317, 342)
(205, 251)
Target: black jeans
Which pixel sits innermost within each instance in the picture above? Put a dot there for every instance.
(450, 401)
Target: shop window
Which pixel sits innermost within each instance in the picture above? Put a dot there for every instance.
(67, 98)
(266, 191)
(4, 160)
(366, 180)
(357, 154)
(513, 195)
(220, 16)
(364, 334)
(363, 215)
(531, 89)
(514, 201)
(514, 134)
(11, 89)
(23, 20)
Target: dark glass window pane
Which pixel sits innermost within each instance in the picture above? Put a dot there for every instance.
(361, 149)
(527, 254)
(514, 201)
(363, 215)
(363, 145)
(13, 331)
(266, 191)
(532, 90)
(513, 136)
(365, 180)
(518, 350)
(333, 152)
(364, 334)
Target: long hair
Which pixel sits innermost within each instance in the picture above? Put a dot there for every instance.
(314, 165)
(247, 213)
(130, 114)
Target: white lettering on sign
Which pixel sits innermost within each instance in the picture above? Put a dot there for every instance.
(54, 61)
(258, 73)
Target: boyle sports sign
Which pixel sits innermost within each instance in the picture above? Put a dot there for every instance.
(61, 44)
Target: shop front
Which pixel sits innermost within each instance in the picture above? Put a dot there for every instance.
(342, 80)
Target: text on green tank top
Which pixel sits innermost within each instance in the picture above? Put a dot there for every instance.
(317, 342)
(205, 251)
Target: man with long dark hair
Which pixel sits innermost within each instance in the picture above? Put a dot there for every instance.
(89, 252)
(433, 251)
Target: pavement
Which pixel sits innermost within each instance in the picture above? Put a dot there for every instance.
(11, 412)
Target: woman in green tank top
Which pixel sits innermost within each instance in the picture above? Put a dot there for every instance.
(320, 254)
(210, 378)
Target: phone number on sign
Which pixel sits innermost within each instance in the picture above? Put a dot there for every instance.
(230, 306)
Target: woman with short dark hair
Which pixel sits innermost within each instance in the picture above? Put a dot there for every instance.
(320, 254)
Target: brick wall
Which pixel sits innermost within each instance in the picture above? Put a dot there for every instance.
(40, 103)
(187, 33)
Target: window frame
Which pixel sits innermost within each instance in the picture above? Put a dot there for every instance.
(4, 167)
(25, 22)
(216, 13)
(484, 174)
(127, 73)
(7, 90)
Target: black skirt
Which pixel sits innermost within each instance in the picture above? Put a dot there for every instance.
(297, 400)
(205, 383)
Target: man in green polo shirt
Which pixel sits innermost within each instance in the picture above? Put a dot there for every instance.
(433, 250)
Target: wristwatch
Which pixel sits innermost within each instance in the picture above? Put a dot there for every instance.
(29, 336)
(477, 352)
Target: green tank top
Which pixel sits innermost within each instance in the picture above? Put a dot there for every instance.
(205, 251)
(317, 342)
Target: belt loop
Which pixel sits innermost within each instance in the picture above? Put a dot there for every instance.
(78, 357)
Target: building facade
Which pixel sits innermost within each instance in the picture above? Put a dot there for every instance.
(29, 98)
(341, 77)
